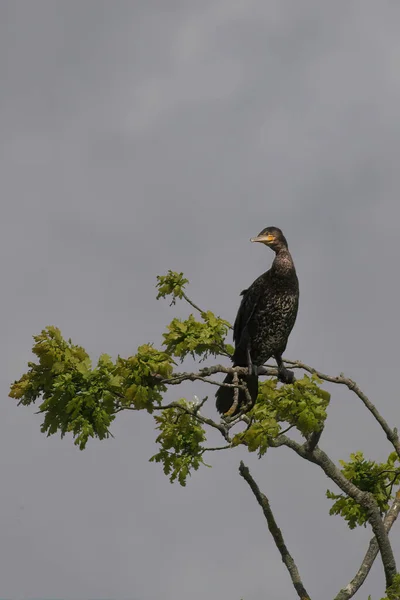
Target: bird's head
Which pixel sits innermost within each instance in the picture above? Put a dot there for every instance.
(272, 237)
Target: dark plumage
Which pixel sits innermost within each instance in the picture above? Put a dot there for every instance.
(264, 321)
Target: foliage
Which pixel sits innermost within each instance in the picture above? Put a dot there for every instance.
(180, 441)
(190, 336)
(139, 375)
(83, 400)
(393, 592)
(302, 405)
(171, 284)
(196, 338)
(368, 476)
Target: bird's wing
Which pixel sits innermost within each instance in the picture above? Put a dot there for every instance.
(249, 303)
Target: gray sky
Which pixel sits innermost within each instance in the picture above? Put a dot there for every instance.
(146, 135)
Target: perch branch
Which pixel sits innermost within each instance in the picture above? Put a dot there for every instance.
(178, 378)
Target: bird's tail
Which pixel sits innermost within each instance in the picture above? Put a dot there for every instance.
(226, 395)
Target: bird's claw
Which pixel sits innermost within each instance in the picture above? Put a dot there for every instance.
(285, 376)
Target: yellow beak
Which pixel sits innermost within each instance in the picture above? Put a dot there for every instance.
(264, 239)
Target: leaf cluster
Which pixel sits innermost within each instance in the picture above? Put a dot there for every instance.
(302, 405)
(140, 385)
(196, 338)
(189, 336)
(76, 398)
(393, 592)
(376, 478)
(180, 439)
(171, 284)
(83, 400)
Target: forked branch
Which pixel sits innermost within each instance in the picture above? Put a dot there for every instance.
(391, 434)
(310, 451)
(352, 588)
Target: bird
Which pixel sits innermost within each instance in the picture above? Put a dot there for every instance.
(264, 321)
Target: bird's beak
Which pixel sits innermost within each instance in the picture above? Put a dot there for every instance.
(264, 239)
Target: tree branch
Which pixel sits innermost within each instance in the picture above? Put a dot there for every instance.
(189, 301)
(217, 448)
(313, 440)
(370, 556)
(276, 533)
(391, 434)
(178, 378)
(193, 412)
(365, 499)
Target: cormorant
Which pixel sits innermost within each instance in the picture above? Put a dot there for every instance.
(266, 317)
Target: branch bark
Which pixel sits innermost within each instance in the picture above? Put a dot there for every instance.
(352, 588)
(365, 499)
(276, 533)
(178, 378)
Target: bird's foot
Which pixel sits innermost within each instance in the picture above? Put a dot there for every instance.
(252, 369)
(285, 376)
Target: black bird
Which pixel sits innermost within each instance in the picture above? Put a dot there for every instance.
(263, 323)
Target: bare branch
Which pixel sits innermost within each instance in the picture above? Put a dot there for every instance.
(276, 533)
(202, 312)
(352, 588)
(235, 403)
(181, 377)
(189, 301)
(217, 448)
(391, 434)
(200, 405)
(178, 378)
(313, 440)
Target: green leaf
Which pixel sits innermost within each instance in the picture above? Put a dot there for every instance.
(180, 439)
(302, 405)
(83, 400)
(171, 284)
(368, 476)
(196, 338)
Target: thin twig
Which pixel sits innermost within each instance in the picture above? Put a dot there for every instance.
(286, 430)
(276, 533)
(200, 405)
(202, 312)
(313, 440)
(189, 301)
(190, 411)
(216, 448)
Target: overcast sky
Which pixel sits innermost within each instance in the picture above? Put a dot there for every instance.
(138, 136)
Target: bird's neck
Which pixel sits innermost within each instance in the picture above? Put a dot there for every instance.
(283, 263)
